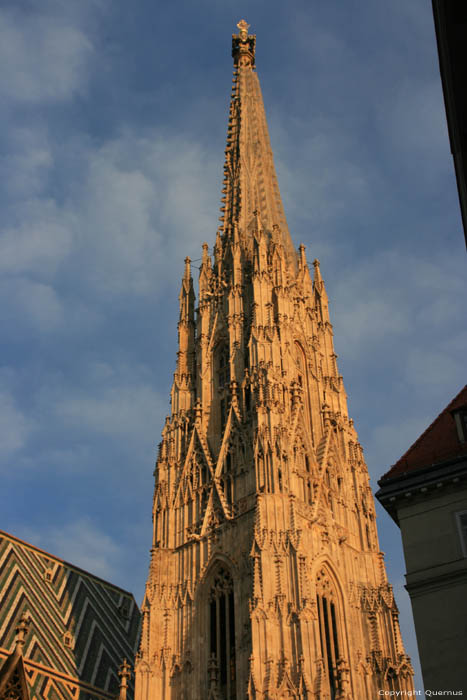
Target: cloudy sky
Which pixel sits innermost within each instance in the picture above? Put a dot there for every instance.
(113, 120)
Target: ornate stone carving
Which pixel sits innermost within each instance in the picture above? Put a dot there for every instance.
(263, 518)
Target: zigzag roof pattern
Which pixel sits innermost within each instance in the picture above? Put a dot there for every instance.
(81, 627)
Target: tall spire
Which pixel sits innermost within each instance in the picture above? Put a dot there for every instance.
(266, 578)
(250, 181)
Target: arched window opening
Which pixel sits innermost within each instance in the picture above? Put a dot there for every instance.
(368, 536)
(391, 679)
(223, 365)
(328, 626)
(309, 492)
(204, 500)
(229, 491)
(222, 632)
(299, 358)
(223, 412)
(247, 398)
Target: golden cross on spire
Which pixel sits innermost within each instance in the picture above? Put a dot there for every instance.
(243, 28)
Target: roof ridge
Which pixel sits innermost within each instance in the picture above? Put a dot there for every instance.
(66, 563)
(450, 406)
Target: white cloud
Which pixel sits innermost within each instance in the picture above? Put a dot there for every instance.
(324, 179)
(119, 401)
(15, 427)
(39, 244)
(44, 58)
(25, 166)
(435, 369)
(35, 304)
(397, 297)
(82, 543)
(132, 205)
(142, 197)
(387, 442)
(413, 122)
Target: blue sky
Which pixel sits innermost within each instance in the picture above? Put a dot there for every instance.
(113, 122)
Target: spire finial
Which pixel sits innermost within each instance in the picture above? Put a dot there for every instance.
(205, 259)
(187, 268)
(125, 675)
(243, 45)
(317, 277)
(302, 249)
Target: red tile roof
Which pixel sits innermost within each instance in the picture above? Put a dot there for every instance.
(439, 443)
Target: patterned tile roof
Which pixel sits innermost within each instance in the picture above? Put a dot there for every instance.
(439, 443)
(81, 627)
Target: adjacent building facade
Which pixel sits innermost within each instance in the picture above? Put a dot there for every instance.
(425, 493)
(450, 17)
(266, 578)
(64, 633)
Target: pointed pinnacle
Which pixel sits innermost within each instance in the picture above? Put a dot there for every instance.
(124, 672)
(302, 249)
(205, 259)
(187, 274)
(317, 277)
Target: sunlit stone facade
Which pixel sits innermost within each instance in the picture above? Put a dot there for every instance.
(266, 579)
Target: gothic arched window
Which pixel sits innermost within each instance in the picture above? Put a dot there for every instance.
(300, 360)
(223, 365)
(328, 619)
(222, 632)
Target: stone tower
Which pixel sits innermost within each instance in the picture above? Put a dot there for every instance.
(266, 579)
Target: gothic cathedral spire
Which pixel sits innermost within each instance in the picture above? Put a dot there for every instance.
(266, 579)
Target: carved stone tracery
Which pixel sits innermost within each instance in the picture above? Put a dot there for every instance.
(262, 495)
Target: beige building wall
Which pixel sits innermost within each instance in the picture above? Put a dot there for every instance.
(436, 565)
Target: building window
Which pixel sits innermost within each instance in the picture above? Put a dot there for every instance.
(223, 365)
(329, 642)
(460, 418)
(247, 399)
(329, 622)
(223, 412)
(309, 492)
(461, 518)
(222, 632)
(368, 536)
